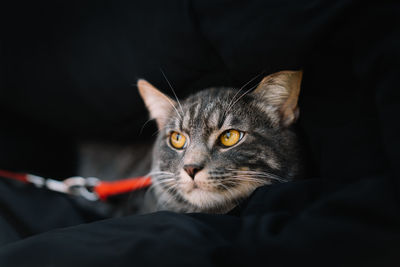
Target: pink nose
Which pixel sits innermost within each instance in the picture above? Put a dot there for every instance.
(192, 169)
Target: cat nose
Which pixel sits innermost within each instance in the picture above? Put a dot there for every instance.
(192, 169)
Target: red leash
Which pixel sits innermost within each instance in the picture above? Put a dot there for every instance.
(90, 188)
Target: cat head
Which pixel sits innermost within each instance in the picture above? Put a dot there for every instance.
(217, 146)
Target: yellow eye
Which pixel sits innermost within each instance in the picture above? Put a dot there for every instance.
(177, 140)
(230, 137)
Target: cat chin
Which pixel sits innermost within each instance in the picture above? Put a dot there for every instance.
(198, 192)
(206, 201)
(202, 198)
(216, 202)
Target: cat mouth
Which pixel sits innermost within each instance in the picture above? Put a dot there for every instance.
(193, 186)
(205, 200)
(199, 183)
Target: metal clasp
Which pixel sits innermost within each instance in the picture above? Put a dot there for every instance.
(77, 185)
(82, 187)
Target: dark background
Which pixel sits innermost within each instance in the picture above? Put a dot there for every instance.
(68, 73)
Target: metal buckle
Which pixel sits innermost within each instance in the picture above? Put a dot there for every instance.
(82, 187)
(77, 185)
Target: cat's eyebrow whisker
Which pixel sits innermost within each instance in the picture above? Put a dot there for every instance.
(237, 100)
(157, 132)
(144, 124)
(172, 104)
(163, 128)
(177, 112)
(233, 102)
(252, 79)
(173, 91)
(237, 93)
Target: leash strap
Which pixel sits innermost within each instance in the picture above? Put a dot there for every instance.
(90, 188)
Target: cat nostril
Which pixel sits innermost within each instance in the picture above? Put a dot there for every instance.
(192, 169)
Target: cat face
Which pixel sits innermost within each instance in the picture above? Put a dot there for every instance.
(217, 146)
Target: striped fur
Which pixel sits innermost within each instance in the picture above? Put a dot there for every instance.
(267, 153)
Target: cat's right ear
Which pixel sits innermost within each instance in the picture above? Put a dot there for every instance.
(158, 104)
(279, 93)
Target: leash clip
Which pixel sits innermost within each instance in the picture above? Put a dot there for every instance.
(83, 187)
(76, 185)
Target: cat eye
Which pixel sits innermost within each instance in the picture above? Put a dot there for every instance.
(230, 137)
(177, 140)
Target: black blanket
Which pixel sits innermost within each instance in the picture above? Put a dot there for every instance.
(68, 72)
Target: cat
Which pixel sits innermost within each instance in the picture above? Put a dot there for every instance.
(216, 147)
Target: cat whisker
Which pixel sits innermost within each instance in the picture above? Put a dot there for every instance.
(159, 172)
(161, 129)
(177, 112)
(260, 174)
(144, 124)
(246, 178)
(155, 175)
(237, 93)
(172, 104)
(239, 178)
(164, 182)
(270, 177)
(153, 187)
(237, 100)
(229, 191)
(169, 183)
(229, 175)
(171, 192)
(173, 91)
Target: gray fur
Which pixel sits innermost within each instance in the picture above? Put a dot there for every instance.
(267, 153)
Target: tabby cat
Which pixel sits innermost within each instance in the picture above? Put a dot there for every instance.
(217, 146)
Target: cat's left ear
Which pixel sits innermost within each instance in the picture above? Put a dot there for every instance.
(280, 92)
(158, 104)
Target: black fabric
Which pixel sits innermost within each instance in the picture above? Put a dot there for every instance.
(67, 73)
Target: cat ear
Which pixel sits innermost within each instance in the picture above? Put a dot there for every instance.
(158, 104)
(280, 92)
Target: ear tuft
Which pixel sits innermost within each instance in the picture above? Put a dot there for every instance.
(158, 104)
(280, 92)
